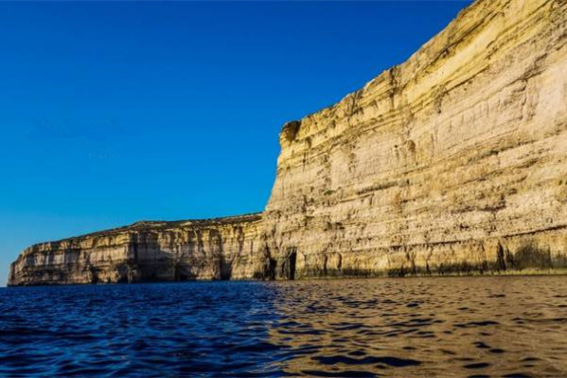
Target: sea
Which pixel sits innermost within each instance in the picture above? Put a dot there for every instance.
(386, 327)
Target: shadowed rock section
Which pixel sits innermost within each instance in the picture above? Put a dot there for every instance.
(453, 162)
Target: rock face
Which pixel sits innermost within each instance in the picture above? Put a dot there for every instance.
(146, 251)
(453, 162)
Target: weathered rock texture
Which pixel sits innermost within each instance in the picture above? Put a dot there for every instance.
(146, 251)
(455, 161)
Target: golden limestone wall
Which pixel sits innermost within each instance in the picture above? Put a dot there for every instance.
(146, 251)
(453, 161)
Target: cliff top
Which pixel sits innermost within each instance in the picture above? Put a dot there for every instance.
(163, 225)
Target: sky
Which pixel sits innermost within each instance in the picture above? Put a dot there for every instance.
(114, 112)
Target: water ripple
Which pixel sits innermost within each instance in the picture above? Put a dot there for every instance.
(453, 327)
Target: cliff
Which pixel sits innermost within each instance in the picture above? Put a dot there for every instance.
(221, 248)
(453, 162)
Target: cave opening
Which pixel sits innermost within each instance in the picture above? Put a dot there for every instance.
(289, 264)
(225, 270)
(292, 262)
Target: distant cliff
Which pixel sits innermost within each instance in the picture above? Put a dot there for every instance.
(223, 248)
(453, 162)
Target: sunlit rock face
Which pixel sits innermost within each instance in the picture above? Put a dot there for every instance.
(146, 251)
(455, 161)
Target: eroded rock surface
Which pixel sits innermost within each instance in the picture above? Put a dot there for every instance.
(453, 162)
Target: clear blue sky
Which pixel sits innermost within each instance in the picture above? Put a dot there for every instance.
(114, 112)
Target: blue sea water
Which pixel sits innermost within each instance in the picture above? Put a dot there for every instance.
(430, 327)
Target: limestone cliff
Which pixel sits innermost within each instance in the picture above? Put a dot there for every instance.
(451, 162)
(454, 161)
(222, 248)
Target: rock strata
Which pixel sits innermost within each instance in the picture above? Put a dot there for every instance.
(222, 248)
(452, 162)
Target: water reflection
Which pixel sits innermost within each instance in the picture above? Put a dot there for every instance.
(433, 327)
(446, 327)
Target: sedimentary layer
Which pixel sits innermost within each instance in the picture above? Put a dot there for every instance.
(452, 162)
(222, 248)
